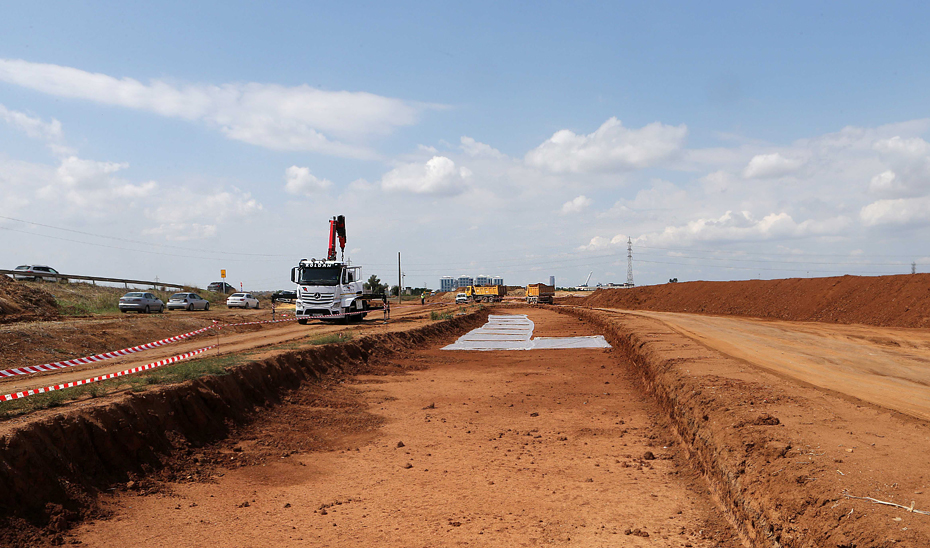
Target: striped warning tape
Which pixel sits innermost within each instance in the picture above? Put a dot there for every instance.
(31, 369)
(153, 365)
(99, 357)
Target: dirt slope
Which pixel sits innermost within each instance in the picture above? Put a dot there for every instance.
(19, 302)
(893, 301)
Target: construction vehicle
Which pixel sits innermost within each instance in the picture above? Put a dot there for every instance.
(486, 293)
(539, 293)
(327, 287)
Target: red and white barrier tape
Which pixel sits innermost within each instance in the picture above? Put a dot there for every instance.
(28, 370)
(98, 357)
(153, 365)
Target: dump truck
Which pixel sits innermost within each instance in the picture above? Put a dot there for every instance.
(486, 293)
(539, 293)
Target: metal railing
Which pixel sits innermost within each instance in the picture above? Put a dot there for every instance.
(93, 279)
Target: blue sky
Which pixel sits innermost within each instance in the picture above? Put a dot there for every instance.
(728, 140)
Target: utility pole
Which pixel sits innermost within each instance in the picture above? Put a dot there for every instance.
(629, 262)
(400, 281)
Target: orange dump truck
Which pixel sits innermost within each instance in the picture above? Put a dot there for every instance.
(539, 293)
(486, 293)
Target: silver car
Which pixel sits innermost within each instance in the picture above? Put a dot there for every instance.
(188, 301)
(241, 300)
(34, 272)
(141, 302)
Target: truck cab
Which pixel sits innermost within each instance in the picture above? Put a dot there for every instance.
(329, 288)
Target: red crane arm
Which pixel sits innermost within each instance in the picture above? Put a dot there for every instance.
(337, 228)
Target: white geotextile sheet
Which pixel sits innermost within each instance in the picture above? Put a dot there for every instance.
(515, 332)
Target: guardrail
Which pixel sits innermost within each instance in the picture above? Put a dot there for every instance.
(93, 279)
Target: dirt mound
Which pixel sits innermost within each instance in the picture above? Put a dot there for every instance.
(20, 302)
(892, 301)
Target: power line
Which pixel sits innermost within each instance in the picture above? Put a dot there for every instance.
(123, 248)
(127, 240)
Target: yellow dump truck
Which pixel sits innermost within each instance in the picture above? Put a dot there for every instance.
(486, 293)
(539, 293)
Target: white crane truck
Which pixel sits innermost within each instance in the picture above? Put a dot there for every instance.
(328, 289)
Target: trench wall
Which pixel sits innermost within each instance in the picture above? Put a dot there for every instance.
(63, 459)
(750, 464)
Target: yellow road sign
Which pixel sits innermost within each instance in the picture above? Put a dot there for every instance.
(222, 273)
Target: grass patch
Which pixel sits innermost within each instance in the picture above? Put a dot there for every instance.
(343, 336)
(86, 299)
(436, 315)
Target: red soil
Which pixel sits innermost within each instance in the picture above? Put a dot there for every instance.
(893, 301)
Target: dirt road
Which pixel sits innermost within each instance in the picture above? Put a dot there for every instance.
(519, 448)
(889, 367)
(230, 340)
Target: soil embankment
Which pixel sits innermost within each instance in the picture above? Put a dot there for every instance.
(781, 457)
(19, 302)
(892, 301)
(54, 463)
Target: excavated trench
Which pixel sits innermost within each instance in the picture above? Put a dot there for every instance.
(54, 464)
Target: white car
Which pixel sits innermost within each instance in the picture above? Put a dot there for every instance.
(461, 298)
(242, 300)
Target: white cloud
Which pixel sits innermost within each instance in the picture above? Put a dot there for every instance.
(743, 226)
(437, 176)
(612, 148)
(909, 159)
(75, 171)
(301, 181)
(475, 148)
(901, 211)
(267, 115)
(885, 182)
(35, 128)
(765, 166)
(190, 215)
(576, 205)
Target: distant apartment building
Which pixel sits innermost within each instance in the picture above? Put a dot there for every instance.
(448, 283)
(552, 281)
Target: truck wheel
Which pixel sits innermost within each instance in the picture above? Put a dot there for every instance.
(302, 322)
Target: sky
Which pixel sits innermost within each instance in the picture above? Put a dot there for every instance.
(724, 140)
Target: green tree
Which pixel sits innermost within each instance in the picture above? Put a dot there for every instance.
(374, 285)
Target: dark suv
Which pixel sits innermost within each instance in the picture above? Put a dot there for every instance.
(221, 287)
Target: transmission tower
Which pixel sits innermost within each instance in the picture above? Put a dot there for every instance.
(914, 268)
(629, 262)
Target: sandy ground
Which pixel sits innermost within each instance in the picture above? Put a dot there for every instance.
(889, 367)
(554, 447)
(134, 332)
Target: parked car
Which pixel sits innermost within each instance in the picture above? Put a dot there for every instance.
(141, 302)
(461, 298)
(188, 301)
(284, 295)
(221, 287)
(28, 272)
(242, 300)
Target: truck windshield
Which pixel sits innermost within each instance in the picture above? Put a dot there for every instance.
(327, 275)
